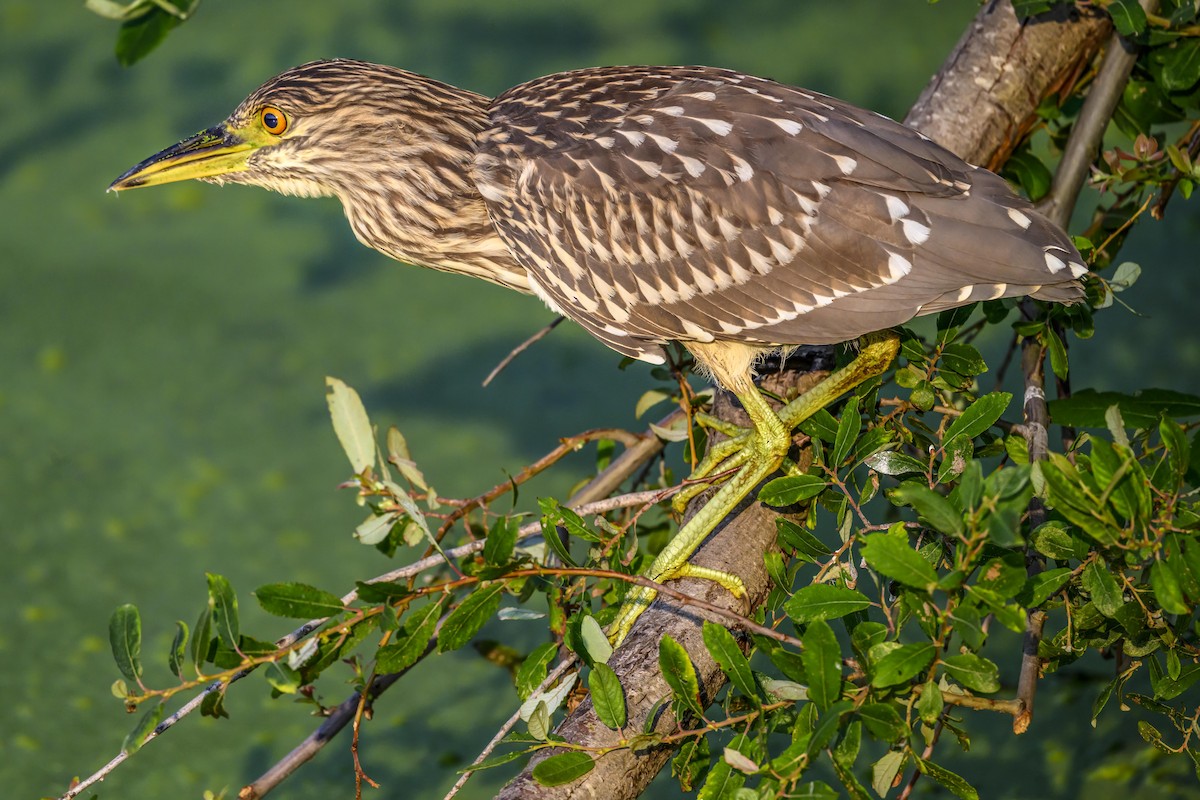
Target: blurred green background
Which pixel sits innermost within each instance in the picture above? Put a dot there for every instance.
(162, 357)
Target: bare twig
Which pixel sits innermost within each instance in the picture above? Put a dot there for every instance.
(1080, 152)
(521, 348)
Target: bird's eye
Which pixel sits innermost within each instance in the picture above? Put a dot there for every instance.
(273, 120)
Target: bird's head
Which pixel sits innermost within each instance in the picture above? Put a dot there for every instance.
(323, 128)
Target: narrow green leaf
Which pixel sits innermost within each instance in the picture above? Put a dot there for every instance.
(822, 657)
(821, 601)
(936, 509)
(351, 424)
(297, 601)
(1058, 353)
(563, 768)
(791, 489)
(501, 541)
(411, 642)
(894, 557)
(902, 664)
(680, 675)
(930, 703)
(534, 668)
(973, 671)
(608, 698)
(848, 428)
(1100, 584)
(202, 638)
(979, 416)
(729, 657)
(949, 780)
(225, 610)
(179, 647)
(466, 620)
(125, 638)
(1142, 409)
(145, 726)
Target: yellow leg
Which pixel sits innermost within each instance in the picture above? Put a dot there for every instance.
(762, 449)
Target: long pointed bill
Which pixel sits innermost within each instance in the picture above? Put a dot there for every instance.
(216, 151)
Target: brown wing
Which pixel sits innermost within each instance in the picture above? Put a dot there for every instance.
(652, 204)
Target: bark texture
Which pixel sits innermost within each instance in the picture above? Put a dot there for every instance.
(979, 105)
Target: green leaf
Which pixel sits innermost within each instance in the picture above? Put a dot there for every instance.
(179, 647)
(225, 610)
(125, 638)
(563, 768)
(145, 726)
(794, 537)
(822, 601)
(791, 489)
(973, 671)
(930, 703)
(892, 556)
(885, 770)
(1029, 172)
(1100, 584)
(893, 462)
(139, 35)
(411, 642)
(1128, 16)
(848, 428)
(690, 762)
(351, 424)
(534, 668)
(979, 416)
(1180, 64)
(1058, 353)
(501, 541)
(680, 675)
(1038, 588)
(595, 643)
(1165, 583)
(608, 698)
(902, 664)
(297, 601)
(883, 721)
(466, 620)
(1086, 409)
(963, 359)
(202, 638)
(949, 780)
(821, 425)
(282, 678)
(729, 657)
(936, 509)
(822, 657)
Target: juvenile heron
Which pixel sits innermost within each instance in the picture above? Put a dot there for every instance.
(729, 213)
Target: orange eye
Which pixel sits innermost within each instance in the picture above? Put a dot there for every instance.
(273, 120)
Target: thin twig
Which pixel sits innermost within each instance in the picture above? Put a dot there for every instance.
(508, 725)
(521, 348)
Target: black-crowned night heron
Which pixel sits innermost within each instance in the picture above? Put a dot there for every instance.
(730, 213)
